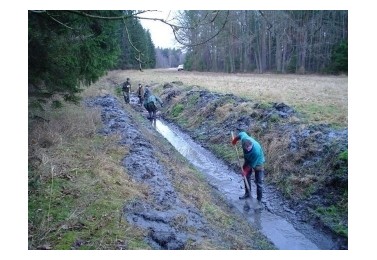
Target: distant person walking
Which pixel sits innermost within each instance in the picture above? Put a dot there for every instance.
(140, 94)
(253, 161)
(126, 88)
(150, 103)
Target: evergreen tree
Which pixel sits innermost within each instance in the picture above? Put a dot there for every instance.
(150, 51)
(67, 50)
(339, 59)
(136, 46)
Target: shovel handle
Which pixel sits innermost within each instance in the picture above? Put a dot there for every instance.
(239, 162)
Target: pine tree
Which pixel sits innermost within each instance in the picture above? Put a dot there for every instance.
(67, 51)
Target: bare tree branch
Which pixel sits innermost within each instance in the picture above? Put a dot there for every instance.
(122, 17)
(138, 59)
(51, 17)
(176, 36)
(59, 21)
(265, 18)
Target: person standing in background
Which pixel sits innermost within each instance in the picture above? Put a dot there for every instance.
(126, 88)
(140, 94)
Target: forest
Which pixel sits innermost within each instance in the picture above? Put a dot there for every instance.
(68, 50)
(72, 49)
(307, 41)
(169, 58)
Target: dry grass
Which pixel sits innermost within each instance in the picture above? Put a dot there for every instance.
(274, 147)
(323, 99)
(77, 186)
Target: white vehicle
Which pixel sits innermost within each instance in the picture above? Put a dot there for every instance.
(180, 67)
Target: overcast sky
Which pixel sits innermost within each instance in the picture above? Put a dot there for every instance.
(162, 35)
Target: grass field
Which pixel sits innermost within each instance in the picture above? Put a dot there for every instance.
(320, 99)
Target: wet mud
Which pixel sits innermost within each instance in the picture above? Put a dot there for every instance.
(167, 219)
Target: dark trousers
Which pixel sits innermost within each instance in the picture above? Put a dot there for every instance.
(126, 96)
(259, 176)
(152, 109)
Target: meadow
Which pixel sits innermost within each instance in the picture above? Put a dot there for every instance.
(320, 99)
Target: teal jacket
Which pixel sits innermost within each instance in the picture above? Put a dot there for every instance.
(152, 98)
(255, 156)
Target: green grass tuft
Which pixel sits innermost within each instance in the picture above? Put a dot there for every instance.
(177, 110)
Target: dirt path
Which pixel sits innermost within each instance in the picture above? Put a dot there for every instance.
(164, 215)
(169, 222)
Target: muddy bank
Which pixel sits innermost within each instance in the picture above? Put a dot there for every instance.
(165, 217)
(169, 222)
(304, 173)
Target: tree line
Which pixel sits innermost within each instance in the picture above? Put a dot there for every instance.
(68, 50)
(71, 49)
(169, 58)
(302, 41)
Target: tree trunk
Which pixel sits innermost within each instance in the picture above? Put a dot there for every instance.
(302, 50)
(278, 54)
(263, 47)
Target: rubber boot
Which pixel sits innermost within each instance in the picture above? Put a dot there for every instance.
(259, 176)
(245, 196)
(259, 205)
(247, 192)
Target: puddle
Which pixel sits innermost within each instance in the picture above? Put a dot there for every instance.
(230, 185)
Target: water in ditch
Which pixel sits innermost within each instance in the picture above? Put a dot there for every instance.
(282, 233)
